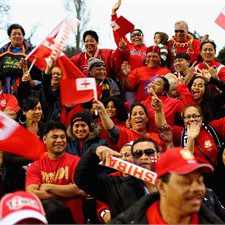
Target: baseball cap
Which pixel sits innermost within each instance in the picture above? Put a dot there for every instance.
(180, 161)
(21, 205)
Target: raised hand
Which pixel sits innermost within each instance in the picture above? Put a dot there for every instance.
(190, 72)
(116, 7)
(156, 102)
(193, 129)
(98, 106)
(212, 70)
(26, 76)
(125, 68)
(104, 153)
(122, 43)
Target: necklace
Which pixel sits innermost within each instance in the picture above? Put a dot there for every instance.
(187, 44)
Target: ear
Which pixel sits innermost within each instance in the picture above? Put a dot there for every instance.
(44, 139)
(161, 186)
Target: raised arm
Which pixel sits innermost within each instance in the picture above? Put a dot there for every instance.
(106, 121)
(160, 118)
(87, 175)
(116, 7)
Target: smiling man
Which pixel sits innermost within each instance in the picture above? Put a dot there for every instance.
(52, 175)
(181, 190)
(183, 42)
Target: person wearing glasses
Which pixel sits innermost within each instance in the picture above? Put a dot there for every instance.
(203, 139)
(183, 42)
(133, 51)
(118, 192)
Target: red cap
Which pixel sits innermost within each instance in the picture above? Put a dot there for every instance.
(153, 48)
(179, 161)
(21, 205)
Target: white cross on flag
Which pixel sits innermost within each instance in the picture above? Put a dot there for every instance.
(85, 84)
(81, 90)
(53, 45)
(220, 20)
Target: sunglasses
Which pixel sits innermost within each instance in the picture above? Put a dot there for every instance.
(136, 34)
(147, 152)
(181, 31)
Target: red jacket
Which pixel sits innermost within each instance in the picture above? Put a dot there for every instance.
(205, 145)
(107, 55)
(220, 68)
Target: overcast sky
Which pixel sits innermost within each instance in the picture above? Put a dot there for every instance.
(148, 15)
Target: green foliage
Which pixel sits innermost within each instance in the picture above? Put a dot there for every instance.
(70, 51)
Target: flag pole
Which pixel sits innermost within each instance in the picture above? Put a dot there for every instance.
(31, 66)
(95, 96)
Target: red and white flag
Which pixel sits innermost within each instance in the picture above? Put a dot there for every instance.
(69, 69)
(78, 91)
(220, 20)
(18, 140)
(51, 48)
(131, 169)
(121, 26)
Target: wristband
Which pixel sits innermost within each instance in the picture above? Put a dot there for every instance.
(103, 212)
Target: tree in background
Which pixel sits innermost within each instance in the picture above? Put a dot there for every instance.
(79, 9)
(4, 11)
(221, 56)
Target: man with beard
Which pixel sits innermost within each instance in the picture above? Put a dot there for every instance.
(51, 177)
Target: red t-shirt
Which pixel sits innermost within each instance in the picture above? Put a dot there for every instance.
(49, 171)
(58, 171)
(153, 215)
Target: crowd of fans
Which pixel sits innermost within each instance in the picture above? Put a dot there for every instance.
(161, 107)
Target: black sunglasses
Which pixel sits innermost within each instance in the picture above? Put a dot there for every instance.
(147, 152)
(136, 34)
(181, 31)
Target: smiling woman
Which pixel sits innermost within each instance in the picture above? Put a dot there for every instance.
(83, 134)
